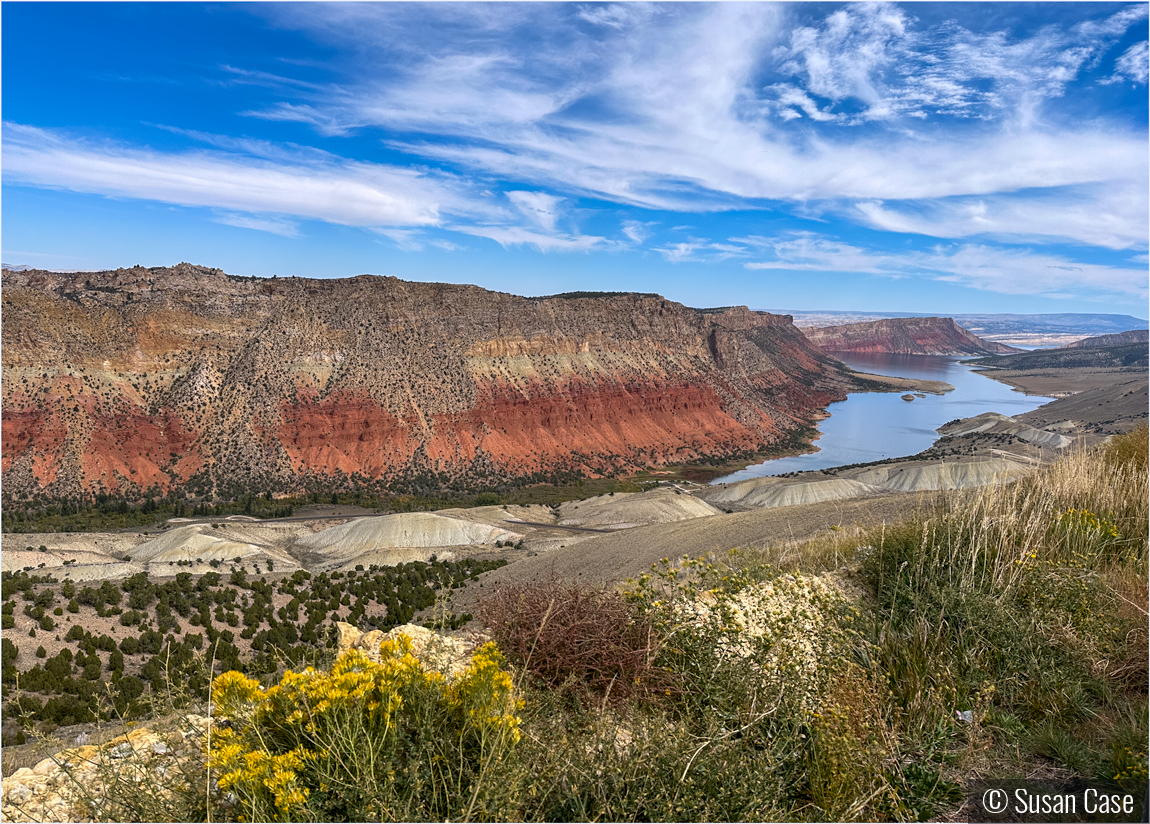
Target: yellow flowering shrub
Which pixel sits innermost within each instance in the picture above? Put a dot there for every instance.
(1082, 529)
(365, 740)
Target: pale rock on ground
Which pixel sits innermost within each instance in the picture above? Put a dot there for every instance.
(64, 787)
(439, 652)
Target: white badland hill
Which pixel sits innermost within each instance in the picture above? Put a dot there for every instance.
(768, 492)
(944, 476)
(761, 493)
(407, 530)
(627, 509)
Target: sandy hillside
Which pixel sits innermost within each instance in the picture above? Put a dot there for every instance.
(203, 543)
(924, 477)
(114, 544)
(763, 493)
(406, 530)
(81, 556)
(504, 517)
(629, 509)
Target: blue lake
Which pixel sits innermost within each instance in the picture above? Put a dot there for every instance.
(872, 426)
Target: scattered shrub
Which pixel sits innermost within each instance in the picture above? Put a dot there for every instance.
(575, 636)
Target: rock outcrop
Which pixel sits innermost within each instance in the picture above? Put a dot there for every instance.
(904, 336)
(186, 378)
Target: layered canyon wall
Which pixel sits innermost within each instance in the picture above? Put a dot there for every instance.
(185, 378)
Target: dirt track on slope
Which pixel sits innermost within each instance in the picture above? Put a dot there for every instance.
(613, 558)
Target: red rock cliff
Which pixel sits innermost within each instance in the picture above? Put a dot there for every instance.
(188, 378)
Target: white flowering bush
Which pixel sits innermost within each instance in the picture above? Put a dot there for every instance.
(747, 649)
(791, 629)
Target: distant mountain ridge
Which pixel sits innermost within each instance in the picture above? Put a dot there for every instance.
(904, 336)
(1085, 323)
(987, 324)
(1117, 339)
(1133, 356)
(188, 379)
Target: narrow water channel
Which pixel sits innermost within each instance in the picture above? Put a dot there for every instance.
(872, 426)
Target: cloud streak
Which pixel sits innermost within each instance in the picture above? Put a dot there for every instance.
(1112, 216)
(1009, 271)
(1133, 66)
(339, 191)
(507, 236)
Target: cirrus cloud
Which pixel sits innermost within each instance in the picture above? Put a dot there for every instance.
(1006, 270)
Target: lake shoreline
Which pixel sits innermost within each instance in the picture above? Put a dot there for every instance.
(872, 426)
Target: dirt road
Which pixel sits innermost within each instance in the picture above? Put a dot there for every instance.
(620, 555)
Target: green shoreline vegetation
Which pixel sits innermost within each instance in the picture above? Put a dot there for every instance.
(1000, 633)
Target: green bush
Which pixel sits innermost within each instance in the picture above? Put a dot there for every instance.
(1024, 604)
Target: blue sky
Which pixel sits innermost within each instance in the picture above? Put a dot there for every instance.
(937, 158)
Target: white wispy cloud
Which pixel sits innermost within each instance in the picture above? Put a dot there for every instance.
(996, 269)
(685, 107)
(1116, 24)
(1133, 66)
(538, 207)
(869, 61)
(697, 250)
(637, 230)
(265, 223)
(1113, 216)
(308, 186)
(689, 110)
(270, 187)
(517, 236)
(617, 15)
(415, 240)
(407, 240)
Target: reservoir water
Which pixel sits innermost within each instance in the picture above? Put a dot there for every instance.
(875, 425)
